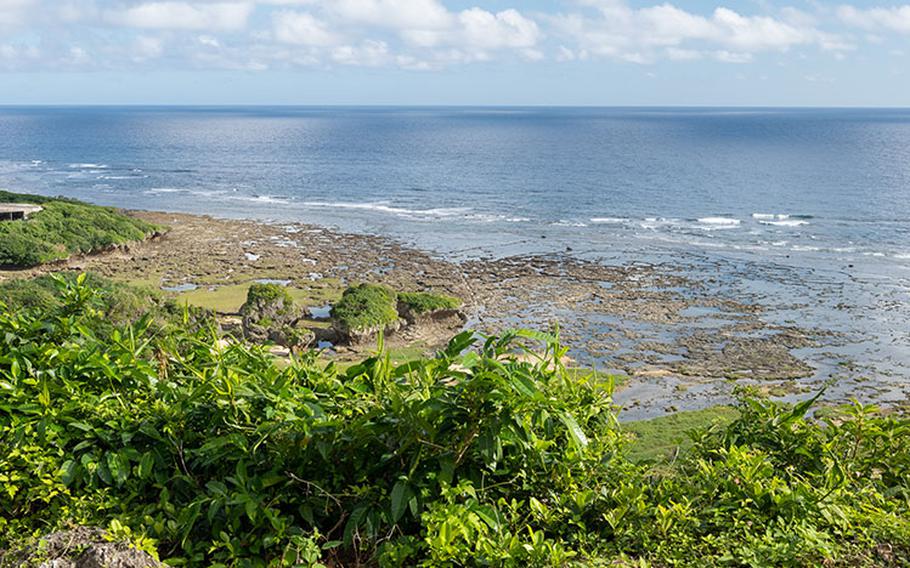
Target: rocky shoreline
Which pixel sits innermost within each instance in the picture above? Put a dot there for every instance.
(680, 344)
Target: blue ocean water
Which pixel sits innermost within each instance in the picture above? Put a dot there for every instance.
(803, 208)
(834, 182)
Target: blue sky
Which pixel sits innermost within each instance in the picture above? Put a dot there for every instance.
(497, 52)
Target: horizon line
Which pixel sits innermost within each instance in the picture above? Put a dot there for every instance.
(434, 105)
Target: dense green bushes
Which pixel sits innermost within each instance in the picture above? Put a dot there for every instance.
(425, 302)
(473, 457)
(63, 228)
(365, 307)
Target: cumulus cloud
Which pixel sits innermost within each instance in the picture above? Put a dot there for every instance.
(184, 15)
(302, 28)
(645, 34)
(397, 14)
(12, 12)
(896, 18)
(424, 34)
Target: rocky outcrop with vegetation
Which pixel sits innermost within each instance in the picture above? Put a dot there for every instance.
(426, 307)
(365, 311)
(269, 314)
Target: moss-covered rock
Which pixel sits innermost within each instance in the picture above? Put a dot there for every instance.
(364, 311)
(426, 307)
(269, 311)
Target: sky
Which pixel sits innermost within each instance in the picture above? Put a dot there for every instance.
(455, 52)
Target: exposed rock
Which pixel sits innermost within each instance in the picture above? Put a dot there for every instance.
(292, 337)
(363, 335)
(82, 547)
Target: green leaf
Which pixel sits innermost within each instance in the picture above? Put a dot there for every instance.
(68, 472)
(401, 494)
(576, 434)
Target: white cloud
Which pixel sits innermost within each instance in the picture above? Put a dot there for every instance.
(184, 15)
(475, 32)
(896, 18)
(145, 47)
(396, 14)
(636, 34)
(208, 41)
(369, 54)
(302, 28)
(506, 29)
(12, 12)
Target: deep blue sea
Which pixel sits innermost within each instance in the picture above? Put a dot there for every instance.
(833, 184)
(807, 208)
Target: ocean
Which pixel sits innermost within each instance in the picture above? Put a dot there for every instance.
(805, 210)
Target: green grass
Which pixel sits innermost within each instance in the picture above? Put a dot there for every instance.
(228, 299)
(63, 228)
(365, 306)
(424, 302)
(664, 437)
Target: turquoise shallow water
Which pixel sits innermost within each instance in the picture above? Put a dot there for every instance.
(808, 209)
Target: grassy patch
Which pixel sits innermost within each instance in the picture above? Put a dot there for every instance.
(660, 438)
(228, 299)
(366, 306)
(424, 302)
(63, 228)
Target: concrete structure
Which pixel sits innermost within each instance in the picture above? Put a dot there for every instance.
(17, 211)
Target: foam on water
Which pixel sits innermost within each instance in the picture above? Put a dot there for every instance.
(719, 221)
(785, 223)
(88, 166)
(384, 207)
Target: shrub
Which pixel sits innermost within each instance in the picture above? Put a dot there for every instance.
(365, 307)
(118, 303)
(64, 228)
(424, 302)
(473, 457)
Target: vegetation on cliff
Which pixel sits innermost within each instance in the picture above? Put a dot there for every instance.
(485, 454)
(63, 228)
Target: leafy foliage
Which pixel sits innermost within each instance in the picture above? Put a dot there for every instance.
(424, 302)
(118, 303)
(63, 228)
(477, 456)
(366, 306)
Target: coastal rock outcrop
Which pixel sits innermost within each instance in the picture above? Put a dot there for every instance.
(424, 308)
(269, 314)
(364, 312)
(82, 547)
